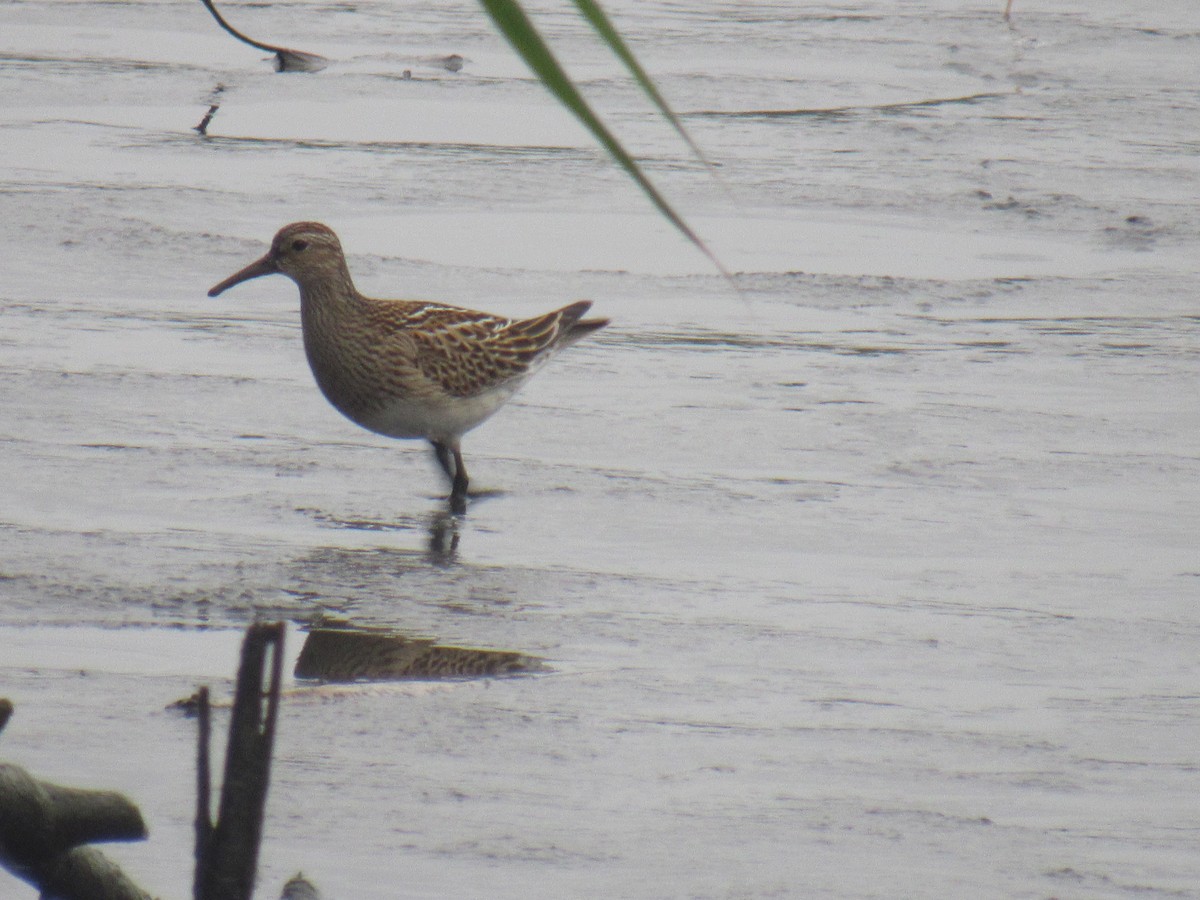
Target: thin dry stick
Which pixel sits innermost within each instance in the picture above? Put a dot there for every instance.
(285, 60)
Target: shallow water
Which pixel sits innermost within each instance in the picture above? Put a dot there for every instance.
(877, 579)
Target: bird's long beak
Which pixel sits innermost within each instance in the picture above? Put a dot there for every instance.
(256, 269)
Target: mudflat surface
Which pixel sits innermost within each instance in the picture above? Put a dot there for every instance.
(879, 579)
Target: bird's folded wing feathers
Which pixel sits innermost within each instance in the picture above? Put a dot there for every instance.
(467, 354)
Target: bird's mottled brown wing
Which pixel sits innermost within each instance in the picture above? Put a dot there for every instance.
(466, 352)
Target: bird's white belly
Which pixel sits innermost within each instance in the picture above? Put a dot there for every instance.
(443, 419)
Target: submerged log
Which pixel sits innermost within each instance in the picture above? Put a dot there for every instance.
(42, 819)
(42, 828)
(85, 873)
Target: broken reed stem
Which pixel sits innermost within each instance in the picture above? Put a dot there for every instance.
(227, 862)
(203, 825)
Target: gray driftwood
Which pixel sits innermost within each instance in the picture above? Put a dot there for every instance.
(43, 827)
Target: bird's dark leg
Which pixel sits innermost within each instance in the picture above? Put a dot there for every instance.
(451, 461)
(442, 452)
(460, 477)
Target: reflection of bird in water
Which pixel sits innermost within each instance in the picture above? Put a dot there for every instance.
(338, 651)
(443, 540)
(409, 368)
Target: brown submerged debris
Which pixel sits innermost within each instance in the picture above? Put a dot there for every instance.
(285, 60)
(214, 104)
(343, 653)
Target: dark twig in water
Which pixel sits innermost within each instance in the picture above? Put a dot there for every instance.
(208, 117)
(214, 103)
(285, 60)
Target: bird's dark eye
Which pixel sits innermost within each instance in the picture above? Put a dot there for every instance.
(299, 245)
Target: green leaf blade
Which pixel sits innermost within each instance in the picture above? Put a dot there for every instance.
(520, 32)
(595, 15)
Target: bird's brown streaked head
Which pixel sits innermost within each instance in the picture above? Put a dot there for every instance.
(301, 251)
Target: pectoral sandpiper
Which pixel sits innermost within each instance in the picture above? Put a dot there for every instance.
(408, 368)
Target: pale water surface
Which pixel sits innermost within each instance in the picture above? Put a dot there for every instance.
(880, 579)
